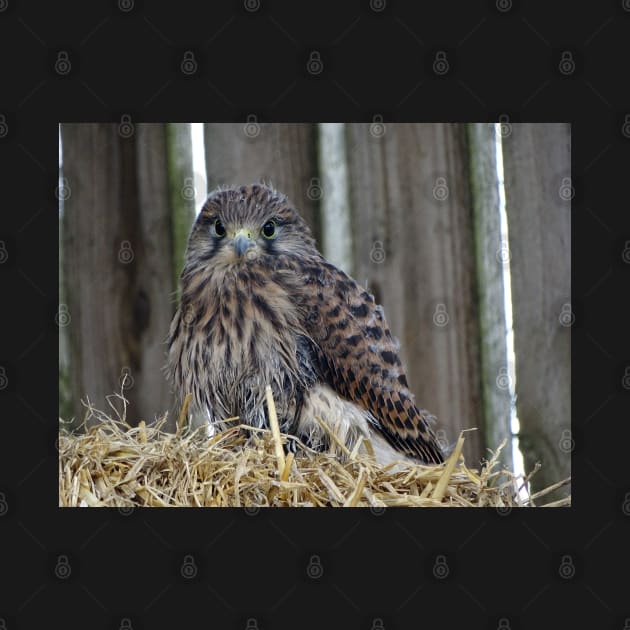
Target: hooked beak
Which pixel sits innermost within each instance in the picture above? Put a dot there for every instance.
(242, 241)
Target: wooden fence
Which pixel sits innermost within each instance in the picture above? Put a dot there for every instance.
(410, 210)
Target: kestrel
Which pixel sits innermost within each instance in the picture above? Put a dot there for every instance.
(261, 306)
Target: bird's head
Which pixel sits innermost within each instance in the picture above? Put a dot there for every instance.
(244, 226)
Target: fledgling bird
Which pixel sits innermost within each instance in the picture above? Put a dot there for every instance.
(261, 306)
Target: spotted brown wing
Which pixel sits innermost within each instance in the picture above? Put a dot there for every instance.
(359, 358)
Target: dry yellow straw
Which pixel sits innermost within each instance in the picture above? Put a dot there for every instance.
(115, 465)
(287, 467)
(275, 430)
(353, 499)
(183, 413)
(440, 487)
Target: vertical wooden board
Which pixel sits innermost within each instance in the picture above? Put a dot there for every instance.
(65, 392)
(92, 156)
(281, 154)
(490, 288)
(153, 301)
(181, 190)
(412, 222)
(537, 167)
(336, 224)
(117, 265)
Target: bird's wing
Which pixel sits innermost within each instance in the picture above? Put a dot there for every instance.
(359, 358)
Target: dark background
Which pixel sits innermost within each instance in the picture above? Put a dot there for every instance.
(523, 569)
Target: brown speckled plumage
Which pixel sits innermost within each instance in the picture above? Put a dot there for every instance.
(257, 310)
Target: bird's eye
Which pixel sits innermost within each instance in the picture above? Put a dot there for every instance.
(219, 228)
(269, 229)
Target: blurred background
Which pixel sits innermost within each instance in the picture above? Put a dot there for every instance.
(461, 231)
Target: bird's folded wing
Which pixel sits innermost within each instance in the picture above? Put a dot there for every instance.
(359, 358)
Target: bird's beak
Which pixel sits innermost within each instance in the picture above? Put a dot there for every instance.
(242, 241)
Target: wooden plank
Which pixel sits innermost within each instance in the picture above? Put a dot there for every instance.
(182, 191)
(336, 222)
(413, 246)
(117, 264)
(283, 155)
(491, 292)
(537, 166)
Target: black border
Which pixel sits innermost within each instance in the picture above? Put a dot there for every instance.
(503, 58)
